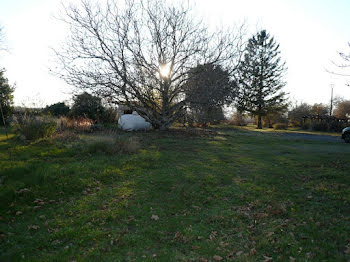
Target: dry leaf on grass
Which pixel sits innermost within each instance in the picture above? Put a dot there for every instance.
(213, 235)
(217, 258)
(267, 259)
(155, 217)
(34, 227)
(252, 252)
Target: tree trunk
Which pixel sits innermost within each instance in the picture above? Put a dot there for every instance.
(259, 122)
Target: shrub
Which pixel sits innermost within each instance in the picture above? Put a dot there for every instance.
(113, 145)
(305, 125)
(79, 124)
(319, 126)
(336, 126)
(36, 127)
(58, 109)
(87, 106)
(280, 126)
(296, 114)
(110, 115)
(239, 119)
(67, 136)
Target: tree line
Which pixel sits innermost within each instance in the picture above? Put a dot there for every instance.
(158, 59)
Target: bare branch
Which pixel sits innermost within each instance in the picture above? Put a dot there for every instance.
(116, 50)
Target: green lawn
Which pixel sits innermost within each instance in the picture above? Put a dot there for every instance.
(232, 195)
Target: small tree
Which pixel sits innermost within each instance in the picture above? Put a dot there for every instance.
(209, 88)
(319, 109)
(342, 109)
(296, 114)
(58, 109)
(87, 105)
(261, 78)
(6, 98)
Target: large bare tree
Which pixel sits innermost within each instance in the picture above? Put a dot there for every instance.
(139, 53)
(342, 65)
(3, 46)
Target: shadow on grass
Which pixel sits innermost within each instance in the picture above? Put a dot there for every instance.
(181, 198)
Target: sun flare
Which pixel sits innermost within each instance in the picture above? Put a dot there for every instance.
(164, 70)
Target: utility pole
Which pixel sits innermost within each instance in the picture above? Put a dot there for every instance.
(331, 108)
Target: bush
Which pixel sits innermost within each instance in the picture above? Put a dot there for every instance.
(239, 119)
(58, 109)
(87, 106)
(319, 126)
(79, 124)
(280, 126)
(305, 126)
(336, 126)
(33, 128)
(113, 145)
(110, 115)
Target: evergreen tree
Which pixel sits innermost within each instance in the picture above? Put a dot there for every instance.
(57, 109)
(208, 89)
(6, 97)
(261, 78)
(87, 105)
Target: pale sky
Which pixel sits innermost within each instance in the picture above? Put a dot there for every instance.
(310, 33)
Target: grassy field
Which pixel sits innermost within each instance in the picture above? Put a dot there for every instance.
(219, 195)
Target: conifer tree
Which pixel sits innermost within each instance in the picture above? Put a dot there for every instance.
(261, 76)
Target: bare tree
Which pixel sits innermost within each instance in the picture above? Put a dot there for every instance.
(342, 109)
(343, 66)
(139, 53)
(2, 40)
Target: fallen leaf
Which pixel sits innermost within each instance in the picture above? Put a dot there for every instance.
(223, 244)
(56, 242)
(178, 235)
(239, 253)
(217, 258)
(261, 215)
(34, 227)
(212, 235)
(347, 250)
(270, 234)
(24, 190)
(252, 252)
(155, 217)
